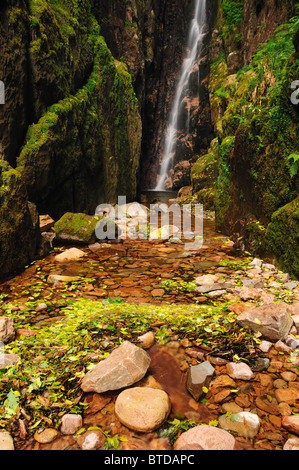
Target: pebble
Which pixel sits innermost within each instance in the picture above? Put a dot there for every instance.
(245, 424)
(91, 440)
(239, 371)
(71, 423)
(44, 436)
(292, 444)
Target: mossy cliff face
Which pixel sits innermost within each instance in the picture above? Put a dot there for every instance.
(85, 150)
(71, 121)
(255, 122)
(19, 228)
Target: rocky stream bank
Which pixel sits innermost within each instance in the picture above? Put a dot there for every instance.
(141, 345)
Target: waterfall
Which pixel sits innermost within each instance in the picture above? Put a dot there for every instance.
(195, 42)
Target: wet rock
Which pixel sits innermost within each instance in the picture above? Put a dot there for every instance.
(265, 346)
(249, 293)
(76, 228)
(282, 347)
(125, 366)
(262, 363)
(44, 436)
(273, 321)
(245, 424)
(291, 423)
(69, 255)
(71, 423)
(264, 404)
(147, 340)
(287, 395)
(45, 223)
(290, 285)
(239, 371)
(205, 437)
(7, 332)
(9, 359)
(199, 376)
(91, 440)
(292, 444)
(142, 409)
(53, 278)
(6, 441)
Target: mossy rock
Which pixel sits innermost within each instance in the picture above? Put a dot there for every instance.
(19, 223)
(282, 237)
(76, 228)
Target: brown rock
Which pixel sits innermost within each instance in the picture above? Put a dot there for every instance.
(142, 409)
(71, 423)
(273, 321)
(7, 332)
(44, 436)
(239, 370)
(125, 366)
(96, 402)
(291, 423)
(205, 437)
(269, 406)
(287, 395)
(91, 440)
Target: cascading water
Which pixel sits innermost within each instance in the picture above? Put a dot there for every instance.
(195, 42)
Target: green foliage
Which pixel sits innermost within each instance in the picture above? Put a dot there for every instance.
(294, 164)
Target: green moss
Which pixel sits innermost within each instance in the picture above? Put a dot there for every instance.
(282, 237)
(88, 140)
(19, 230)
(76, 227)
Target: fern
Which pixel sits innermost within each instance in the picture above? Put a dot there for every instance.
(294, 166)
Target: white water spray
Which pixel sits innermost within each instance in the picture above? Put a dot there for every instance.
(195, 43)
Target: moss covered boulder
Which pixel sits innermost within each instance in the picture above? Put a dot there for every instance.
(282, 237)
(76, 228)
(19, 223)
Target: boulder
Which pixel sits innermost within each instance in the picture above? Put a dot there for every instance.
(71, 423)
(125, 366)
(142, 409)
(199, 376)
(205, 437)
(7, 332)
(76, 228)
(273, 321)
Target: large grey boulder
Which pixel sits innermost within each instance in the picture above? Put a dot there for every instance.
(273, 321)
(125, 366)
